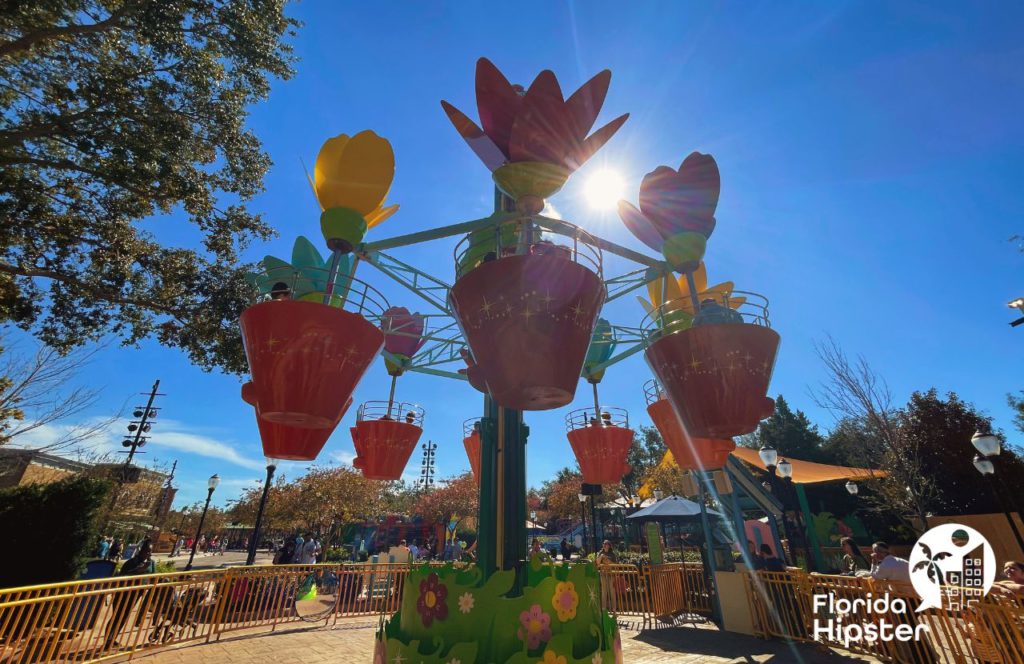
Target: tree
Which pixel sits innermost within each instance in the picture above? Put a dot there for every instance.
(854, 393)
(1017, 404)
(941, 429)
(35, 392)
(561, 496)
(54, 528)
(646, 453)
(110, 113)
(791, 434)
(450, 503)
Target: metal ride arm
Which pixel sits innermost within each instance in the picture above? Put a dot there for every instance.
(446, 342)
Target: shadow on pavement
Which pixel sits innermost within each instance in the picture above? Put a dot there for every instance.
(741, 648)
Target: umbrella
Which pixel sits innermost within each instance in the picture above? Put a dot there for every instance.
(671, 509)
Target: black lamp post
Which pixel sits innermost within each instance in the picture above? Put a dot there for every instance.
(253, 543)
(989, 447)
(785, 470)
(583, 515)
(211, 485)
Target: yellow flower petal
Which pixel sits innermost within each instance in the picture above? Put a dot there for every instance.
(354, 172)
(379, 215)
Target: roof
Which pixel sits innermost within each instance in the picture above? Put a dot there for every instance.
(670, 508)
(809, 472)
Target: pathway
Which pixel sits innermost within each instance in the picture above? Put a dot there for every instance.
(352, 642)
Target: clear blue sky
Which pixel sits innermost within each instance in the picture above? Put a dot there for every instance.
(870, 155)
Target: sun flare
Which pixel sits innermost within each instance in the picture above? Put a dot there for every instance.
(603, 189)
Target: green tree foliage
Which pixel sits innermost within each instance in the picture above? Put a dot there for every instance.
(943, 429)
(646, 453)
(1017, 404)
(791, 433)
(111, 112)
(53, 526)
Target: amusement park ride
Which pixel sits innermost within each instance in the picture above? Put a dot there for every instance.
(521, 323)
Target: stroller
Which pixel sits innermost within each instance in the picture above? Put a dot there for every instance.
(174, 618)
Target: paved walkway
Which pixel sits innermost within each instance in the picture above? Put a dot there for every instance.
(353, 643)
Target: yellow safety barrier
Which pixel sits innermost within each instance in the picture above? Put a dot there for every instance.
(97, 620)
(655, 591)
(784, 605)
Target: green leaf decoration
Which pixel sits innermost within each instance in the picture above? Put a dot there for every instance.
(602, 345)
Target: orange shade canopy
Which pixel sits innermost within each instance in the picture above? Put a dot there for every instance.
(809, 472)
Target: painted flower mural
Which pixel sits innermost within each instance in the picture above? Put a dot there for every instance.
(551, 657)
(432, 604)
(535, 627)
(466, 602)
(565, 600)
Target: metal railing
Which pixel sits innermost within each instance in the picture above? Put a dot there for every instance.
(97, 620)
(409, 413)
(655, 592)
(526, 235)
(310, 284)
(783, 605)
(610, 416)
(731, 307)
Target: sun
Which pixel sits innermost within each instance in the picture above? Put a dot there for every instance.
(603, 189)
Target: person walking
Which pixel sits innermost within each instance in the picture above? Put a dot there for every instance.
(299, 543)
(104, 547)
(309, 550)
(123, 602)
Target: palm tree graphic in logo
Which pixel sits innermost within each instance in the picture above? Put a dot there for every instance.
(931, 563)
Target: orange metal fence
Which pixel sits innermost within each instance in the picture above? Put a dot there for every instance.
(806, 607)
(97, 620)
(655, 591)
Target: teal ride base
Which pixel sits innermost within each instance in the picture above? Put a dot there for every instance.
(453, 615)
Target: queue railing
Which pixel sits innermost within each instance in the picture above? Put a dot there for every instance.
(799, 606)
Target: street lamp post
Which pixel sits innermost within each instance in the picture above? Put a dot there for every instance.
(211, 485)
(583, 515)
(785, 470)
(271, 467)
(989, 447)
(594, 524)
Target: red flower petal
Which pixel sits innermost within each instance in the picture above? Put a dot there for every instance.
(541, 131)
(595, 141)
(478, 141)
(498, 103)
(662, 200)
(639, 226)
(584, 105)
(699, 174)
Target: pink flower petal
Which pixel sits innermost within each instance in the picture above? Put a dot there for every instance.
(497, 102)
(478, 141)
(639, 226)
(541, 131)
(594, 143)
(584, 105)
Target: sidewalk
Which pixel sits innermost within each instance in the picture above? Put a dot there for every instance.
(351, 642)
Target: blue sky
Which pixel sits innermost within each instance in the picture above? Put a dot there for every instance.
(867, 151)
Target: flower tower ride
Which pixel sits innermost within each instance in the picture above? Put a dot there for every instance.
(307, 342)
(527, 306)
(714, 364)
(600, 438)
(386, 433)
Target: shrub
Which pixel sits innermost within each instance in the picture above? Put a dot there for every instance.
(52, 526)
